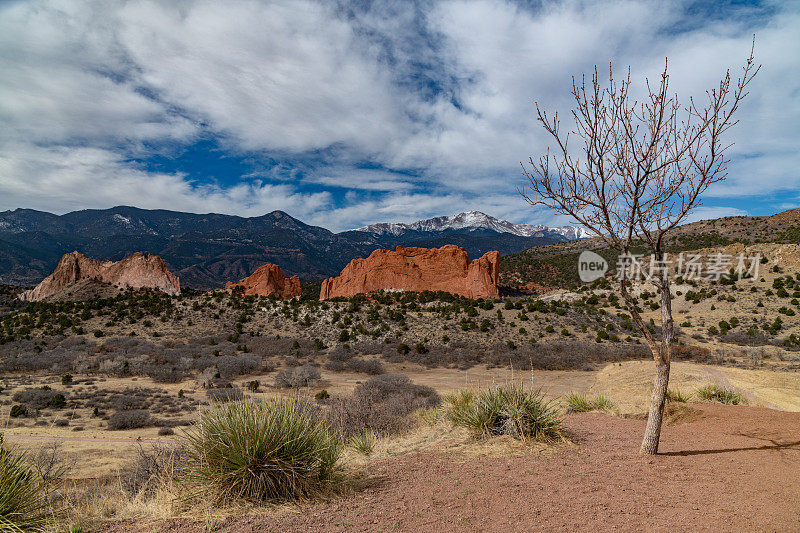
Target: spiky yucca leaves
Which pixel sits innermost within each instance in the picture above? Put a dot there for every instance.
(274, 450)
(505, 410)
(23, 495)
(578, 403)
(363, 443)
(717, 393)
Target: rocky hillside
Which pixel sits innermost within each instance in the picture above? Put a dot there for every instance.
(556, 264)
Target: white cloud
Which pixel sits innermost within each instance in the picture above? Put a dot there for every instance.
(445, 89)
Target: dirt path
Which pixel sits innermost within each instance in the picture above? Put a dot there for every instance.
(730, 469)
(117, 440)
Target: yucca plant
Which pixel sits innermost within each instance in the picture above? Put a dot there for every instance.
(716, 393)
(677, 396)
(279, 449)
(601, 402)
(363, 443)
(23, 495)
(577, 403)
(505, 410)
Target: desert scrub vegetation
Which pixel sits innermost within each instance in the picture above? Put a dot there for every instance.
(23, 493)
(712, 392)
(580, 403)
(505, 410)
(382, 406)
(276, 450)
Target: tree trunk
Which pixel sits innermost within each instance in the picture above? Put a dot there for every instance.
(654, 417)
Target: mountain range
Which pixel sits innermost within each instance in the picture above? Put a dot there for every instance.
(206, 250)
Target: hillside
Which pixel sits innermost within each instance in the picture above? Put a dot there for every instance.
(556, 264)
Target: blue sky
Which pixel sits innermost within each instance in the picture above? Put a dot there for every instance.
(349, 113)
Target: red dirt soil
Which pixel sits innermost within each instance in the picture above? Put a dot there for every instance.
(728, 469)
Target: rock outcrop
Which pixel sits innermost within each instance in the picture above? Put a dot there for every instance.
(418, 269)
(268, 280)
(136, 271)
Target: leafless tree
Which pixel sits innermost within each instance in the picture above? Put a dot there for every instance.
(639, 170)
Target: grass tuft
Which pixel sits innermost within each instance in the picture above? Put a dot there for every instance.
(505, 410)
(719, 394)
(260, 451)
(580, 403)
(677, 396)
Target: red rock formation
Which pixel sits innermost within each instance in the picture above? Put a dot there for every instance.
(136, 271)
(268, 280)
(417, 269)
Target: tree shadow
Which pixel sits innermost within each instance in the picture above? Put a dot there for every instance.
(774, 444)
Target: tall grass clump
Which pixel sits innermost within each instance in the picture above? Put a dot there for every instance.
(716, 393)
(580, 403)
(505, 410)
(23, 494)
(276, 450)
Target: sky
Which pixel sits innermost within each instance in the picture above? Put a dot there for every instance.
(344, 114)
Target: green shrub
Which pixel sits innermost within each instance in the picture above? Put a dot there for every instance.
(274, 450)
(23, 494)
(719, 394)
(505, 410)
(18, 410)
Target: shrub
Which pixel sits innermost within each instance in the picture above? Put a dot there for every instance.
(18, 411)
(719, 394)
(165, 431)
(295, 378)
(382, 405)
(368, 366)
(57, 402)
(505, 410)
(322, 395)
(275, 450)
(23, 494)
(135, 419)
(225, 394)
(253, 386)
(39, 398)
(66, 379)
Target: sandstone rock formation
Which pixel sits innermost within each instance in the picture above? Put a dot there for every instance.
(417, 269)
(135, 271)
(268, 280)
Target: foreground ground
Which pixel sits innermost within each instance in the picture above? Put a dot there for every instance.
(723, 468)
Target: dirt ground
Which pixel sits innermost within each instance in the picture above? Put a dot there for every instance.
(728, 469)
(96, 452)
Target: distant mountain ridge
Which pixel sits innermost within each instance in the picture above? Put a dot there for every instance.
(475, 220)
(207, 250)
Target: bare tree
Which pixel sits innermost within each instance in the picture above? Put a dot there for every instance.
(639, 170)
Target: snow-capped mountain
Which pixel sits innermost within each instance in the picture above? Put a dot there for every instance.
(475, 220)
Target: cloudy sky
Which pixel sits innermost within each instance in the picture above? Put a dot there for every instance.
(349, 113)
